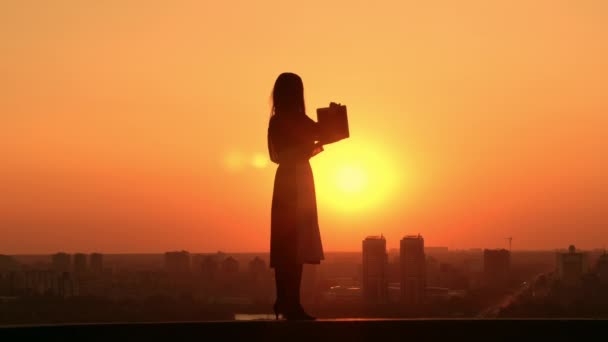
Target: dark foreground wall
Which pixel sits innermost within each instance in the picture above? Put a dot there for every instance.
(324, 330)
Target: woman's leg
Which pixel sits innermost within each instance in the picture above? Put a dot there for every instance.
(282, 284)
(295, 293)
(297, 284)
(287, 280)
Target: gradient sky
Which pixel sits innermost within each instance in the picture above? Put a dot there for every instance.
(140, 126)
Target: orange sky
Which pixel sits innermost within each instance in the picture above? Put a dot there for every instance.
(140, 126)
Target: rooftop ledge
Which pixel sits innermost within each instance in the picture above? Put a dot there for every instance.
(337, 330)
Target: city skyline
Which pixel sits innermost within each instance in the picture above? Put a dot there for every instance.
(433, 283)
(142, 127)
(228, 251)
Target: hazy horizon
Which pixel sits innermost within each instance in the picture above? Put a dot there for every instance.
(229, 252)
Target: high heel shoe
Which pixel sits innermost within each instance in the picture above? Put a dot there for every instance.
(302, 315)
(294, 313)
(276, 310)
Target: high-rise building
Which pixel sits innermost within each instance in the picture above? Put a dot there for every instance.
(436, 250)
(61, 262)
(375, 268)
(209, 268)
(41, 281)
(96, 263)
(230, 265)
(177, 262)
(433, 272)
(80, 263)
(601, 268)
(66, 285)
(257, 266)
(413, 269)
(571, 266)
(496, 267)
(8, 263)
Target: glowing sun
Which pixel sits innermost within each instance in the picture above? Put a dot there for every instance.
(352, 177)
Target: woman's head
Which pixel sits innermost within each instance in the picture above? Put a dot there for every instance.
(288, 94)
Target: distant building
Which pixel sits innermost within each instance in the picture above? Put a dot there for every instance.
(209, 268)
(341, 294)
(473, 264)
(452, 277)
(257, 266)
(8, 263)
(375, 259)
(310, 291)
(601, 268)
(80, 263)
(177, 262)
(571, 266)
(436, 250)
(433, 275)
(61, 262)
(96, 263)
(413, 269)
(437, 292)
(496, 267)
(42, 282)
(66, 286)
(196, 260)
(230, 265)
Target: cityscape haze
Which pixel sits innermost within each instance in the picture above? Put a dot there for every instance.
(415, 281)
(140, 128)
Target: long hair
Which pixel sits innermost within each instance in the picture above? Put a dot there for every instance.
(288, 95)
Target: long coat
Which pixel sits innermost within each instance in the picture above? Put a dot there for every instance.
(294, 227)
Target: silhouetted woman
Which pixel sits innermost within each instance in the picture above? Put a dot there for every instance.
(293, 138)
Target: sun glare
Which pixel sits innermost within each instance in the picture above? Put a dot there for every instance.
(350, 177)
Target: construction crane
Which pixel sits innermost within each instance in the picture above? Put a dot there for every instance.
(510, 239)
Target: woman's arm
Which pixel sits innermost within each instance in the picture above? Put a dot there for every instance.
(293, 139)
(314, 134)
(313, 129)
